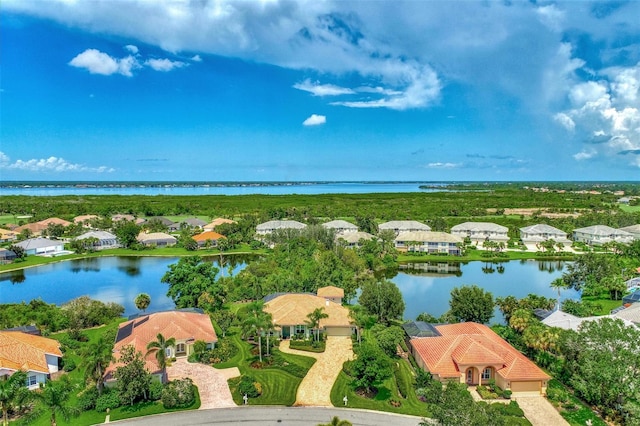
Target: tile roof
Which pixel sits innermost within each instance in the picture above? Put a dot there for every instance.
(330, 291)
(428, 237)
(180, 325)
(340, 224)
(36, 243)
(293, 308)
(469, 343)
(156, 236)
(404, 224)
(602, 230)
(208, 235)
(22, 351)
(280, 224)
(54, 221)
(101, 235)
(219, 221)
(543, 228)
(84, 218)
(479, 227)
(354, 237)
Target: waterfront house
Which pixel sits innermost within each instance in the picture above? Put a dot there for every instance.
(35, 229)
(185, 326)
(398, 226)
(428, 242)
(103, 239)
(41, 246)
(272, 226)
(633, 229)
(289, 312)
(479, 232)
(352, 239)
(209, 238)
(474, 354)
(38, 356)
(216, 222)
(6, 256)
(157, 239)
(340, 226)
(601, 234)
(533, 235)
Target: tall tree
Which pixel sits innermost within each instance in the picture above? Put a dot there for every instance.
(126, 233)
(159, 348)
(10, 389)
(55, 398)
(189, 279)
(471, 303)
(314, 320)
(371, 366)
(132, 378)
(96, 357)
(256, 322)
(142, 301)
(558, 284)
(383, 299)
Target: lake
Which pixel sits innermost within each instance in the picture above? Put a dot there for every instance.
(425, 286)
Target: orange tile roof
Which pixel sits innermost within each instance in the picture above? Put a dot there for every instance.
(183, 326)
(208, 235)
(21, 351)
(218, 221)
(330, 291)
(54, 221)
(293, 308)
(465, 344)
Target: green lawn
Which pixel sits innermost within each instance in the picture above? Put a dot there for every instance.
(579, 415)
(629, 209)
(606, 303)
(473, 255)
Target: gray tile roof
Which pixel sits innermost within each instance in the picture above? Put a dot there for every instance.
(36, 243)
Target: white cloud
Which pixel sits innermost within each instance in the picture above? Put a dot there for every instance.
(196, 58)
(551, 16)
(165, 65)
(51, 164)
(131, 48)
(97, 62)
(315, 120)
(317, 89)
(443, 165)
(584, 155)
(565, 121)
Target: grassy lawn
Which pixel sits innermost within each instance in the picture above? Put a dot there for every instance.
(579, 415)
(149, 408)
(606, 303)
(629, 209)
(473, 255)
(386, 390)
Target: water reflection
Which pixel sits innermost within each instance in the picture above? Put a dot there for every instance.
(432, 269)
(14, 277)
(90, 264)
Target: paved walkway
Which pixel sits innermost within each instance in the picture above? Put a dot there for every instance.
(315, 388)
(211, 382)
(539, 411)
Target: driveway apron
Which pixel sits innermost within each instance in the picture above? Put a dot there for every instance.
(211, 382)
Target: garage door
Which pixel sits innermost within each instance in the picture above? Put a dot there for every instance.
(338, 331)
(526, 386)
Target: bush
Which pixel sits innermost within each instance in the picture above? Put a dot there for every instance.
(69, 364)
(247, 386)
(108, 399)
(155, 390)
(178, 393)
(225, 350)
(404, 386)
(87, 399)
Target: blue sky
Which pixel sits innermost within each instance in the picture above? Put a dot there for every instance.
(319, 90)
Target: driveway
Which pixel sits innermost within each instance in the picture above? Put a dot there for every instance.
(315, 388)
(539, 411)
(211, 382)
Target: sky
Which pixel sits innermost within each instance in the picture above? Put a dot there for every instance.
(267, 90)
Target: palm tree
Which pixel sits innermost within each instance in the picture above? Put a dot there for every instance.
(95, 359)
(558, 284)
(55, 396)
(142, 301)
(10, 389)
(160, 347)
(521, 319)
(256, 322)
(314, 320)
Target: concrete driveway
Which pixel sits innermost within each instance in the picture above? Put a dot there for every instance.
(315, 388)
(211, 382)
(539, 411)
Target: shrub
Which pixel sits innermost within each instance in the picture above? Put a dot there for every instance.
(506, 394)
(87, 399)
(178, 393)
(404, 386)
(69, 364)
(247, 386)
(155, 390)
(223, 352)
(108, 399)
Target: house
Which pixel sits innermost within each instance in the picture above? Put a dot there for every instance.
(41, 246)
(533, 235)
(352, 239)
(119, 217)
(6, 235)
(340, 226)
(105, 240)
(6, 256)
(193, 223)
(54, 221)
(34, 228)
(290, 310)
(630, 313)
(185, 326)
(429, 242)
(331, 293)
(633, 229)
(567, 321)
(85, 220)
(208, 237)
(474, 354)
(601, 234)
(38, 356)
(631, 297)
(275, 225)
(480, 232)
(398, 226)
(157, 239)
(215, 222)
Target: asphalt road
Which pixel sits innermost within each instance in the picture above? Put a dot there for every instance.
(276, 416)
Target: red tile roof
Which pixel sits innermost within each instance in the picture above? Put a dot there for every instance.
(208, 235)
(473, 344)
(21, 351)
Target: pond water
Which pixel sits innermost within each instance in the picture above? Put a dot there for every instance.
(425, 286)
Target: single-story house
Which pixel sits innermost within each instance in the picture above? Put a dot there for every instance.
(36, 355)
(429, 242)
(633, 229)
(290, 310)
(352, 239)
(536, 234)
(119, 217)
(567, 321)
(41, 246)
(398, 226)
(215, 222)
(275, 225)
(630, 313)
(601, 234)
(6, 235)
(193, 223)
(85, 219)
(158, 239)
(6, 256)
(340, 226)
(105, 240)
(185, 326)
(210, 236)
(474, 354)
(161, 219)
(479, 232)
(34, 228)
(54, 221)
(332, 293)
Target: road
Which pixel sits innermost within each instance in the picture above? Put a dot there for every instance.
(261, 416)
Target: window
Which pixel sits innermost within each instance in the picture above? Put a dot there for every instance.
(180, 348)
(300, 328)
(31, 381)
(486, 374)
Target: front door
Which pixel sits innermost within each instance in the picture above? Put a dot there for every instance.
(470, 376)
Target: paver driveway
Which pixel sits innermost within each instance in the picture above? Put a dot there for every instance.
(315, 388)
(211, 382)
(539, 411)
